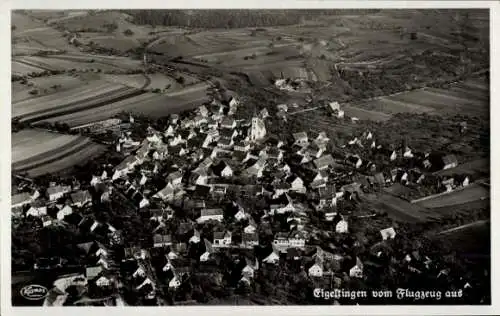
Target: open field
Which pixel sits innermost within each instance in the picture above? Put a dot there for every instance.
(151, 104)
(402, 209)
(212, 43)
(22, 69)
(461, 209)
(94, 91)
(157, 81)
(397, 208)
(27, 144)
(37, 152)
(471, 193)
(479, 166)
(363, 114)
(32, 32)
(471, 242)
(45, 86)
(470, 97)
(79, 62)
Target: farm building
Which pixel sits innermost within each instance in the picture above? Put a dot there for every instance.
(57, 192)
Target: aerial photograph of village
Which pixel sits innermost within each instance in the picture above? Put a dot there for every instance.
(250, 157)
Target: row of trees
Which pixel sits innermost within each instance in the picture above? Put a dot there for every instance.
(227, 18)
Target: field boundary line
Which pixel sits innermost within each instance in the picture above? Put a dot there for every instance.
(480, 222)
(425, 198)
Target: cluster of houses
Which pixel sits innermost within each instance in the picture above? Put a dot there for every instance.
(214, 163)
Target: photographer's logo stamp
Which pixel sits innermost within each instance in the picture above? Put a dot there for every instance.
(34, 292)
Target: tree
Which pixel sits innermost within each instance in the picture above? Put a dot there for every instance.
(128, 32)
(180, 80)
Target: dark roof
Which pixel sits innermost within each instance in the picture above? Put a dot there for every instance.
(273, 152)
(224, 141)
(249, 237)
(220, 235)
(239, 155)
(81, 196)
(217, 169)
(201, 191)
(326, 192)
(227, 121)
(226, 133)
(124, 164)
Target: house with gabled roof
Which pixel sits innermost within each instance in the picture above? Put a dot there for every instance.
(66, 210)
(251, 227)
(222, 239)
(125, 167)
(81, 198)
(216, 214)
(296, 183)
(93, 272)
(58, 191)
(257, 168)
(313, 150)
(177, 250)
(324, 162)
(285, 240)
(327, 197)
(37, 211)
(316, 270)
(264, 113)
(273, 257)
(209, 251)
(357, 270)
(195, 238)
(222, 169)
(160, 240)
(47, 221)
(388, 233)
(228, 122)
(275, 154)
(282, 204)
(249, 240)
(167, 193)
(199, 177)
(300, 139)
(449, 161)
(250, 267)
(242, 146)
(175, 177)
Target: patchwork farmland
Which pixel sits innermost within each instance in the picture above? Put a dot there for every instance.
(37, 152)
(469, 97)
(471, 193)
(92, 95)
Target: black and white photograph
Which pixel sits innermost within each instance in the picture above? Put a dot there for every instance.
(250, 157)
